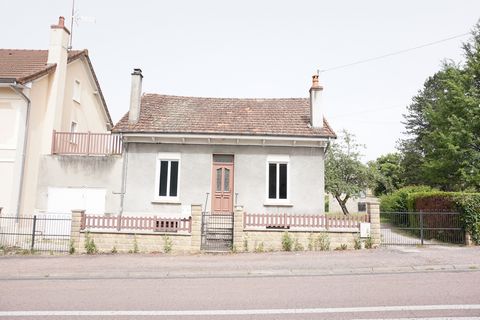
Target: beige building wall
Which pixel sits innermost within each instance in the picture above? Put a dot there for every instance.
(87, 111)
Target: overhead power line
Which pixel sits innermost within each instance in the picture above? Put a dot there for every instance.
(394, 53)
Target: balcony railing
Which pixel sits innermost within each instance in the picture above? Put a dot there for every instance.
(86, 143)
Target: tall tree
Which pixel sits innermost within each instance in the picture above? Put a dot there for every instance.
(444, 126)
(345, 174)
(387, 173)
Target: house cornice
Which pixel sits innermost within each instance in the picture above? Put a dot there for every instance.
(216, 139)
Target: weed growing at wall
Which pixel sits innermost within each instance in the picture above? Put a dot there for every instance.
(90, 246)
(357, 243)
(287, 242)
(245, 242)
(297, 246)
(369, 243)
(260, 248)
(135, 244)
(167, 244)
(114, 250)
(71, 249)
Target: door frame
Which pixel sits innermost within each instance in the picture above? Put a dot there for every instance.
(213, 181)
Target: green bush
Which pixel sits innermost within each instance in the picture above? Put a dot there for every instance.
(398, 200)
(297, 246)
(467, 204)
(167, 244)
(90, 245)
(287, 242)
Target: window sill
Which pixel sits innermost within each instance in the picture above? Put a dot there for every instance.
(166, 201)
(277, 204)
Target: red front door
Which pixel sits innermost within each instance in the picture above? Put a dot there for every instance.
(222, 187)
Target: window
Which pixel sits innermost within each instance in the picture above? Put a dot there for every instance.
(362, 207)
(277, 179)
(76, 91)
(167, 177)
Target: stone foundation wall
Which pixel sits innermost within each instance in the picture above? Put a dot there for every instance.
(271, 240)
(124, 242)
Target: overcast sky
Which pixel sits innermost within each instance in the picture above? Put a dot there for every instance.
(261, 49)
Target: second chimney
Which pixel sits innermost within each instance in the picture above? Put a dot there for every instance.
(135, 96)
(316, 105)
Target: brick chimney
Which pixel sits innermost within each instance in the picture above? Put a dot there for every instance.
(316, 103)
(135, 96)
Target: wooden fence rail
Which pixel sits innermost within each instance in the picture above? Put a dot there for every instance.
(286, 221)
(86, 143)
(136, 223)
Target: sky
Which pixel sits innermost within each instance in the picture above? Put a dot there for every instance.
(262, 49)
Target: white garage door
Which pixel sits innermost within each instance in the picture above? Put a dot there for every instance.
(64, 200)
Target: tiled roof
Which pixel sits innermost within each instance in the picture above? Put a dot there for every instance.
(27, 65)
(192, 115)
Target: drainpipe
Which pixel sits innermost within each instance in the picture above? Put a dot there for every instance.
(124, 175)
(17, 88)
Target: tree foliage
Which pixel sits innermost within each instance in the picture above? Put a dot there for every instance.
(443, 122)
(345, 174)
(387, 173)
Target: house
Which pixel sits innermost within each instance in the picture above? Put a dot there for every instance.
(43, 93)
(265, 154)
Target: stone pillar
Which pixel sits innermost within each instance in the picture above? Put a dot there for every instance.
(373, 209)
(238, 228)
(75, 229)
(196, 227)
(468, 239)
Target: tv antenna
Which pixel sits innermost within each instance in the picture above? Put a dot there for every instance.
(77, 18)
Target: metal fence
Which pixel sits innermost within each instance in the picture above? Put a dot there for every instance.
(421, 228)
(46, 232)
(217, 231)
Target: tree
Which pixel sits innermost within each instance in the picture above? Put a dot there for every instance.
(387, 173)
(345, 174)
(443, 122)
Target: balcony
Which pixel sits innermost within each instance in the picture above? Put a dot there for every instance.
(86, 143)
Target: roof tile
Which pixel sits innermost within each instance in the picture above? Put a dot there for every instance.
(193, 115)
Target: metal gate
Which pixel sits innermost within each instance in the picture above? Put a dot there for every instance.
(45, 232)
(421, 228)
(217, 231)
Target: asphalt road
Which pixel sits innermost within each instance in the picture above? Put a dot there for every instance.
(390, 294)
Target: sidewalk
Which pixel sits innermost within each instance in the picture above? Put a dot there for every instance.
(383, 260)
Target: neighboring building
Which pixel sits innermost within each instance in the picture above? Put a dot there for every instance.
(354, 205)
(265, 154)
(42, 91)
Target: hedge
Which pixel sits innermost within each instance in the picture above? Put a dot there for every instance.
(467, 204)
(424, 198)
(398, 200)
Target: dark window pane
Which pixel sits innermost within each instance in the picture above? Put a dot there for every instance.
(272, 181)
(226, 180)
(362, 207)
(219, 180)
(173, 178)
(163, 178)
(283, 181)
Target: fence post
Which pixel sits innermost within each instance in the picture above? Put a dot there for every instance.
(373, 210)
(33, 232)
(238, 225)
(76, 226)
(88, 143)
(421, 228)
(196, 226)
(468, 238)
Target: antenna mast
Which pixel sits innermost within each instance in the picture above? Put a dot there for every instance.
(71, 25)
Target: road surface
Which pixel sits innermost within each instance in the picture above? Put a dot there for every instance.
(426, 293)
